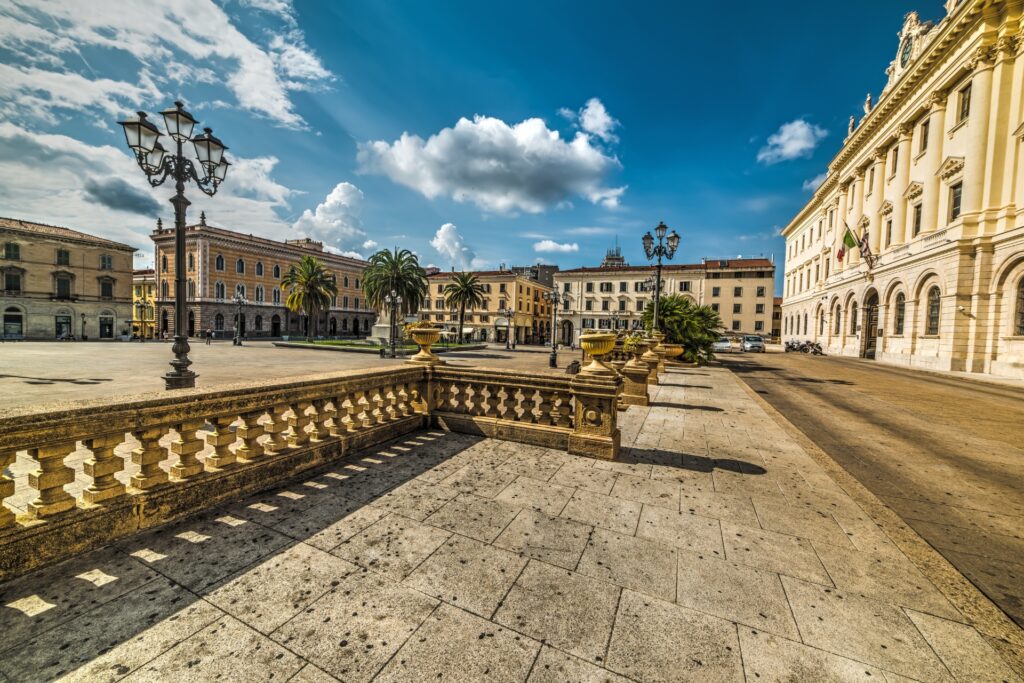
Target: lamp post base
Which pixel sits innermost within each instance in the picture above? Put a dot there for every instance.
(180, 377)
(553, 359)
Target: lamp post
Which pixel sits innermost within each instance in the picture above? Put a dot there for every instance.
(555, 299)
(83, 327)
(143, 138)
(665, 248)
(239, 301)
(393, 299)
(508, 313)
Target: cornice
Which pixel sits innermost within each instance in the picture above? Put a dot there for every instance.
(950, 167)
(886, 208)
(914, 190)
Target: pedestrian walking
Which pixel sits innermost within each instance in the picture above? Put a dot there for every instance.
(209, 336)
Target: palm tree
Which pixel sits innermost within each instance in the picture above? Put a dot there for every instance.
(694, 327)
(395, 271)
(310, 289)
(464, 291)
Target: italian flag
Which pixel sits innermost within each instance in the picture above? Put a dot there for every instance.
(849, 242)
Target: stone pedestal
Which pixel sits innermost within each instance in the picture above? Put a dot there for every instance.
(635, 374)
(595, 431)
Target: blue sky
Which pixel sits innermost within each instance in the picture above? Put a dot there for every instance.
(474, 134)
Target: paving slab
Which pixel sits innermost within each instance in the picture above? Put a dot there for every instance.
(454, 645)
(393, 546)
(353, 630)
(966, 654)
(564, 609)
(479, 518)
(768, 658)
(631, 562)
(775, 552)
(603, 511)
(657, 641)
(707, 503)
(582, 474)
(535, 494)
(554, 666)
(416, 499)
(468, 574)
(681, 530)
(554, 540)
(226, 649)
(736, 592)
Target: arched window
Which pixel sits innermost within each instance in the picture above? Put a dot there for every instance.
(805, 323)
(277, 272)
(899, 313)
(853, 318)
(259, 323)
(163, 263)
(1018, 329)
(191, 262)
(932, 326)
(346, 281)
(191, 289)
(163, 289)
(259, 293)
(277, 295)
(218, 322)
(240, 290)
(837, 326)
(821, 324)
(259, 268)
(240, 266)
(344, 324)
(357, 283)
(218, 263)
(219, 290)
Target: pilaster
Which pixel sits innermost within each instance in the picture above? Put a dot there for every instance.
(931, 161)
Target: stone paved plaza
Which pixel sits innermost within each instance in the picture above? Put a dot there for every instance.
(715, 549)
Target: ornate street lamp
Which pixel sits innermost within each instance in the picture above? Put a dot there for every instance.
(239, 301)
(666, 248)
(555, 298)
(144, 140)
(508, 313)
(393, 299)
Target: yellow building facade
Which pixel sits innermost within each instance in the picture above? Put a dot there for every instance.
(933, 176)
(530, 322)
(59, 283)
(144, 303)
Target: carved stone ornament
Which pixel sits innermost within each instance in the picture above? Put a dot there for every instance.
(982, 55)
(864, 222)
(914, 190)
(938, 98)
(886, 208)
(950, 167)
(913, 38)
(904, 130)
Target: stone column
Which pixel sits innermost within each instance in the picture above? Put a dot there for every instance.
(981, 64)
(900, 225)
(854, 256)
(875, 202)
(932, 160)
(837, 238)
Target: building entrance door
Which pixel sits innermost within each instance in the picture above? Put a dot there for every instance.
(870, 336)
(275, 326)
(63, 326)
(106, 327)
(14, 327)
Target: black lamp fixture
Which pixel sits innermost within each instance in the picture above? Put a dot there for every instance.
(665, 248)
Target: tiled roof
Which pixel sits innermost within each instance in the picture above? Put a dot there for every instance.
(478, 273)
(58, 232)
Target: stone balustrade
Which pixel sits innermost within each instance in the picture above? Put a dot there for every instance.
(193, 449)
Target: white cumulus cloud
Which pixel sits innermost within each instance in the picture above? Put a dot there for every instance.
(594, 118)
(335, 221)
(451, 246)
(792, 140)
(814, 183)
(551, 246)
(501, 168)
(369, 244)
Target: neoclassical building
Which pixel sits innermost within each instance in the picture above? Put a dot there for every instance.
(615, 294)
(60, 283)
(222, 264)
(933, 174)
(144, 303)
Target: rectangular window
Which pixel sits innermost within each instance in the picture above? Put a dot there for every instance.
(761, 291)
(440, 289)
(716, 291)
(924, 136)
(831, 218)
(565, 287)
(606, 287)
(871, 179)
(955, 194)
(590, 286)
(138, 291)
(588, 305)
(622, 286)
(605, 305)
(895, 160)
(737, 291)
(12, 251)
(63, 288)
(714, 307)
(759, 308)
(917, 220)
(758, 326)
(622, 304)
(107, 290)
(888, 232)
(12, 282)
(684, 286)
(964, 109)
(501, 287)
(735, 325)
(640, 305)
(565, 305)
(737, 308)
(63, 257)
(106, 262)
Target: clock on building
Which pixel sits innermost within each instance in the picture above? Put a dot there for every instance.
(908, 45)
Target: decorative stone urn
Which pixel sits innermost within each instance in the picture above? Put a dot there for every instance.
(595, 345)
(659, 349)
(425, 337)
(651, 358)
(672, 351)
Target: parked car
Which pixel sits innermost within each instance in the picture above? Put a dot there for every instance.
(723, 345)
(753, 343)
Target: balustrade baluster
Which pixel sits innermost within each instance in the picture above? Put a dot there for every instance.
(277, 429)
(49, 480)
(390, 396)
(469, 399)
(404, 400)
(340, 419)
(221, 439)
(563, 411)
(546, 408)
(365, 410)
(148, 457)
(528, 404)
(102, 467)
(492, 400)
(186, 446)
(249, 432)
(506, 410)
(298, 420)
(320, 417)
(6, 488)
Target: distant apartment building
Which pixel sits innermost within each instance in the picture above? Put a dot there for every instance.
(144, 303)
(62, 283)
(225, 266)
(613, 297)
(529, 322)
